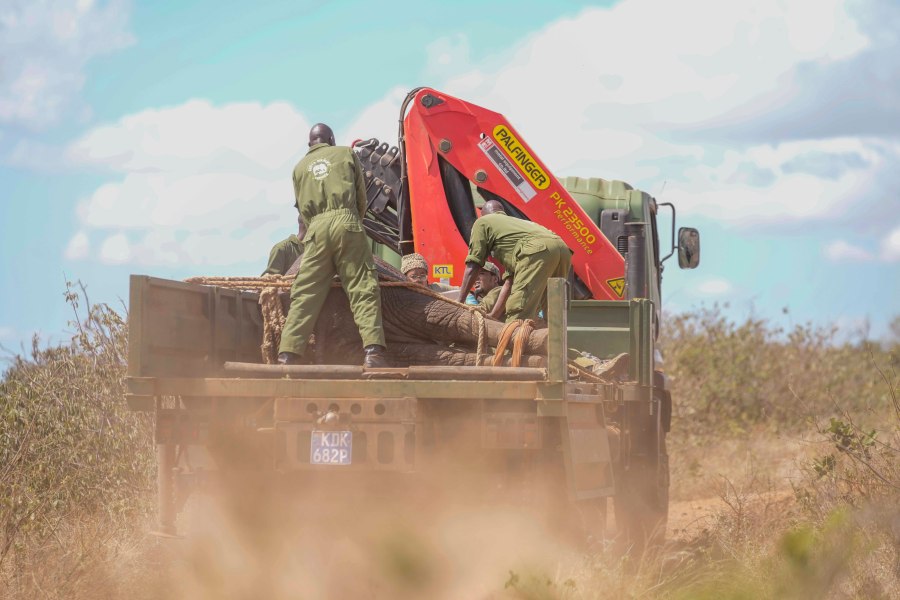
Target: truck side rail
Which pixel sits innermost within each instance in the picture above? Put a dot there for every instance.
(178, 329)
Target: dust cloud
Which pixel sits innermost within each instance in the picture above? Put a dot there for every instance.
(366, 535)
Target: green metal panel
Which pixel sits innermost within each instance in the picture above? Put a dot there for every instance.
(585, 443)
(185, 329)
(336, 388)
(606, 328)
(595, 194)
(601, 327)
(135, 325)
(557, 353)
(642, 317)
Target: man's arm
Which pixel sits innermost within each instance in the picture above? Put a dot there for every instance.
(500, 307)
(478, 252)
(296, 190)
(472, 269)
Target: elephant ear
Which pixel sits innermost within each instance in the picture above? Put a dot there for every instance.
(295, 268)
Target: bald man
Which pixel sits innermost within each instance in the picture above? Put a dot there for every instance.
(530, 253)
(331, 196)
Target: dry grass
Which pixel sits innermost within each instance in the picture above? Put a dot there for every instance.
(76, 467)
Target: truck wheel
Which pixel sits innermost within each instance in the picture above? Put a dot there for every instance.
(592, 521)
(642, 502)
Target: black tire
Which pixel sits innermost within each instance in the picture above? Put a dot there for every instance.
(642, 501)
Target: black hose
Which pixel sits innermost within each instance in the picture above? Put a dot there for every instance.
(404, 215)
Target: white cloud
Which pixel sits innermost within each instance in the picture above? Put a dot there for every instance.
(839, 250)
(202, 184)
(603, 105)
(79, 247)
(115, 249)
(890, 246)
(379, 119)
(196, 184)
(45, 46)
(764, 184)
(715, 287)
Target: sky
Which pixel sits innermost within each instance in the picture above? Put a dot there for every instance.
(159, 137)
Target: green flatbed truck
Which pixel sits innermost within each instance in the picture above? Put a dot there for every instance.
(194, 354)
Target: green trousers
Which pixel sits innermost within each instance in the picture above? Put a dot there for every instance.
(537, 260)
(335, 243)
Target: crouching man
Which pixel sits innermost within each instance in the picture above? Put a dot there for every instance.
(530, 253)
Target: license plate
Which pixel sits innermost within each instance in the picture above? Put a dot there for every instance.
(331, 447)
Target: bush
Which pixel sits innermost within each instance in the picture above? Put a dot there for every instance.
(735, 376)
(69, 448)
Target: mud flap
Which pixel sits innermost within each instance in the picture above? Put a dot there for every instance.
(589, 469)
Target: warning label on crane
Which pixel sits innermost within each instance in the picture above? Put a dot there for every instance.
(617, 285)
(506, 168)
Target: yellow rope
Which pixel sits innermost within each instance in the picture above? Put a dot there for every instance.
(506, 335)
(520, 337)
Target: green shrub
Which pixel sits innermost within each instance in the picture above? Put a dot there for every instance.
(734, 376)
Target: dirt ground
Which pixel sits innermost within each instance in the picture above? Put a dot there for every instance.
(756, 468)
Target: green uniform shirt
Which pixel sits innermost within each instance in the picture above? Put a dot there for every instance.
(283, 255)
(489, 300)
(333, 174)
(500, 235)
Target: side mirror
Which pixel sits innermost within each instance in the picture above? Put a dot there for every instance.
(688, 248)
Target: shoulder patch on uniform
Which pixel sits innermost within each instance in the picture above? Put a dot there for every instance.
(319, 168)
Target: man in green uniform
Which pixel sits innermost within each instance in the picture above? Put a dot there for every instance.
(331, 198)
(530, 253)
(487, 290)
(286, 252)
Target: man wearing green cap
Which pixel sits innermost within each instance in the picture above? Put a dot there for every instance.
(487, 291)
(331, 198)
(530, 253)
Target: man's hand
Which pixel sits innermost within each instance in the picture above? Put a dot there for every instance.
(472, 270)
(499, 309)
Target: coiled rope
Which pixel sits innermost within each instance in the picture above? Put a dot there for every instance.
(518, 332)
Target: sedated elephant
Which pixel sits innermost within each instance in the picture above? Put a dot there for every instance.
(420, 329)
